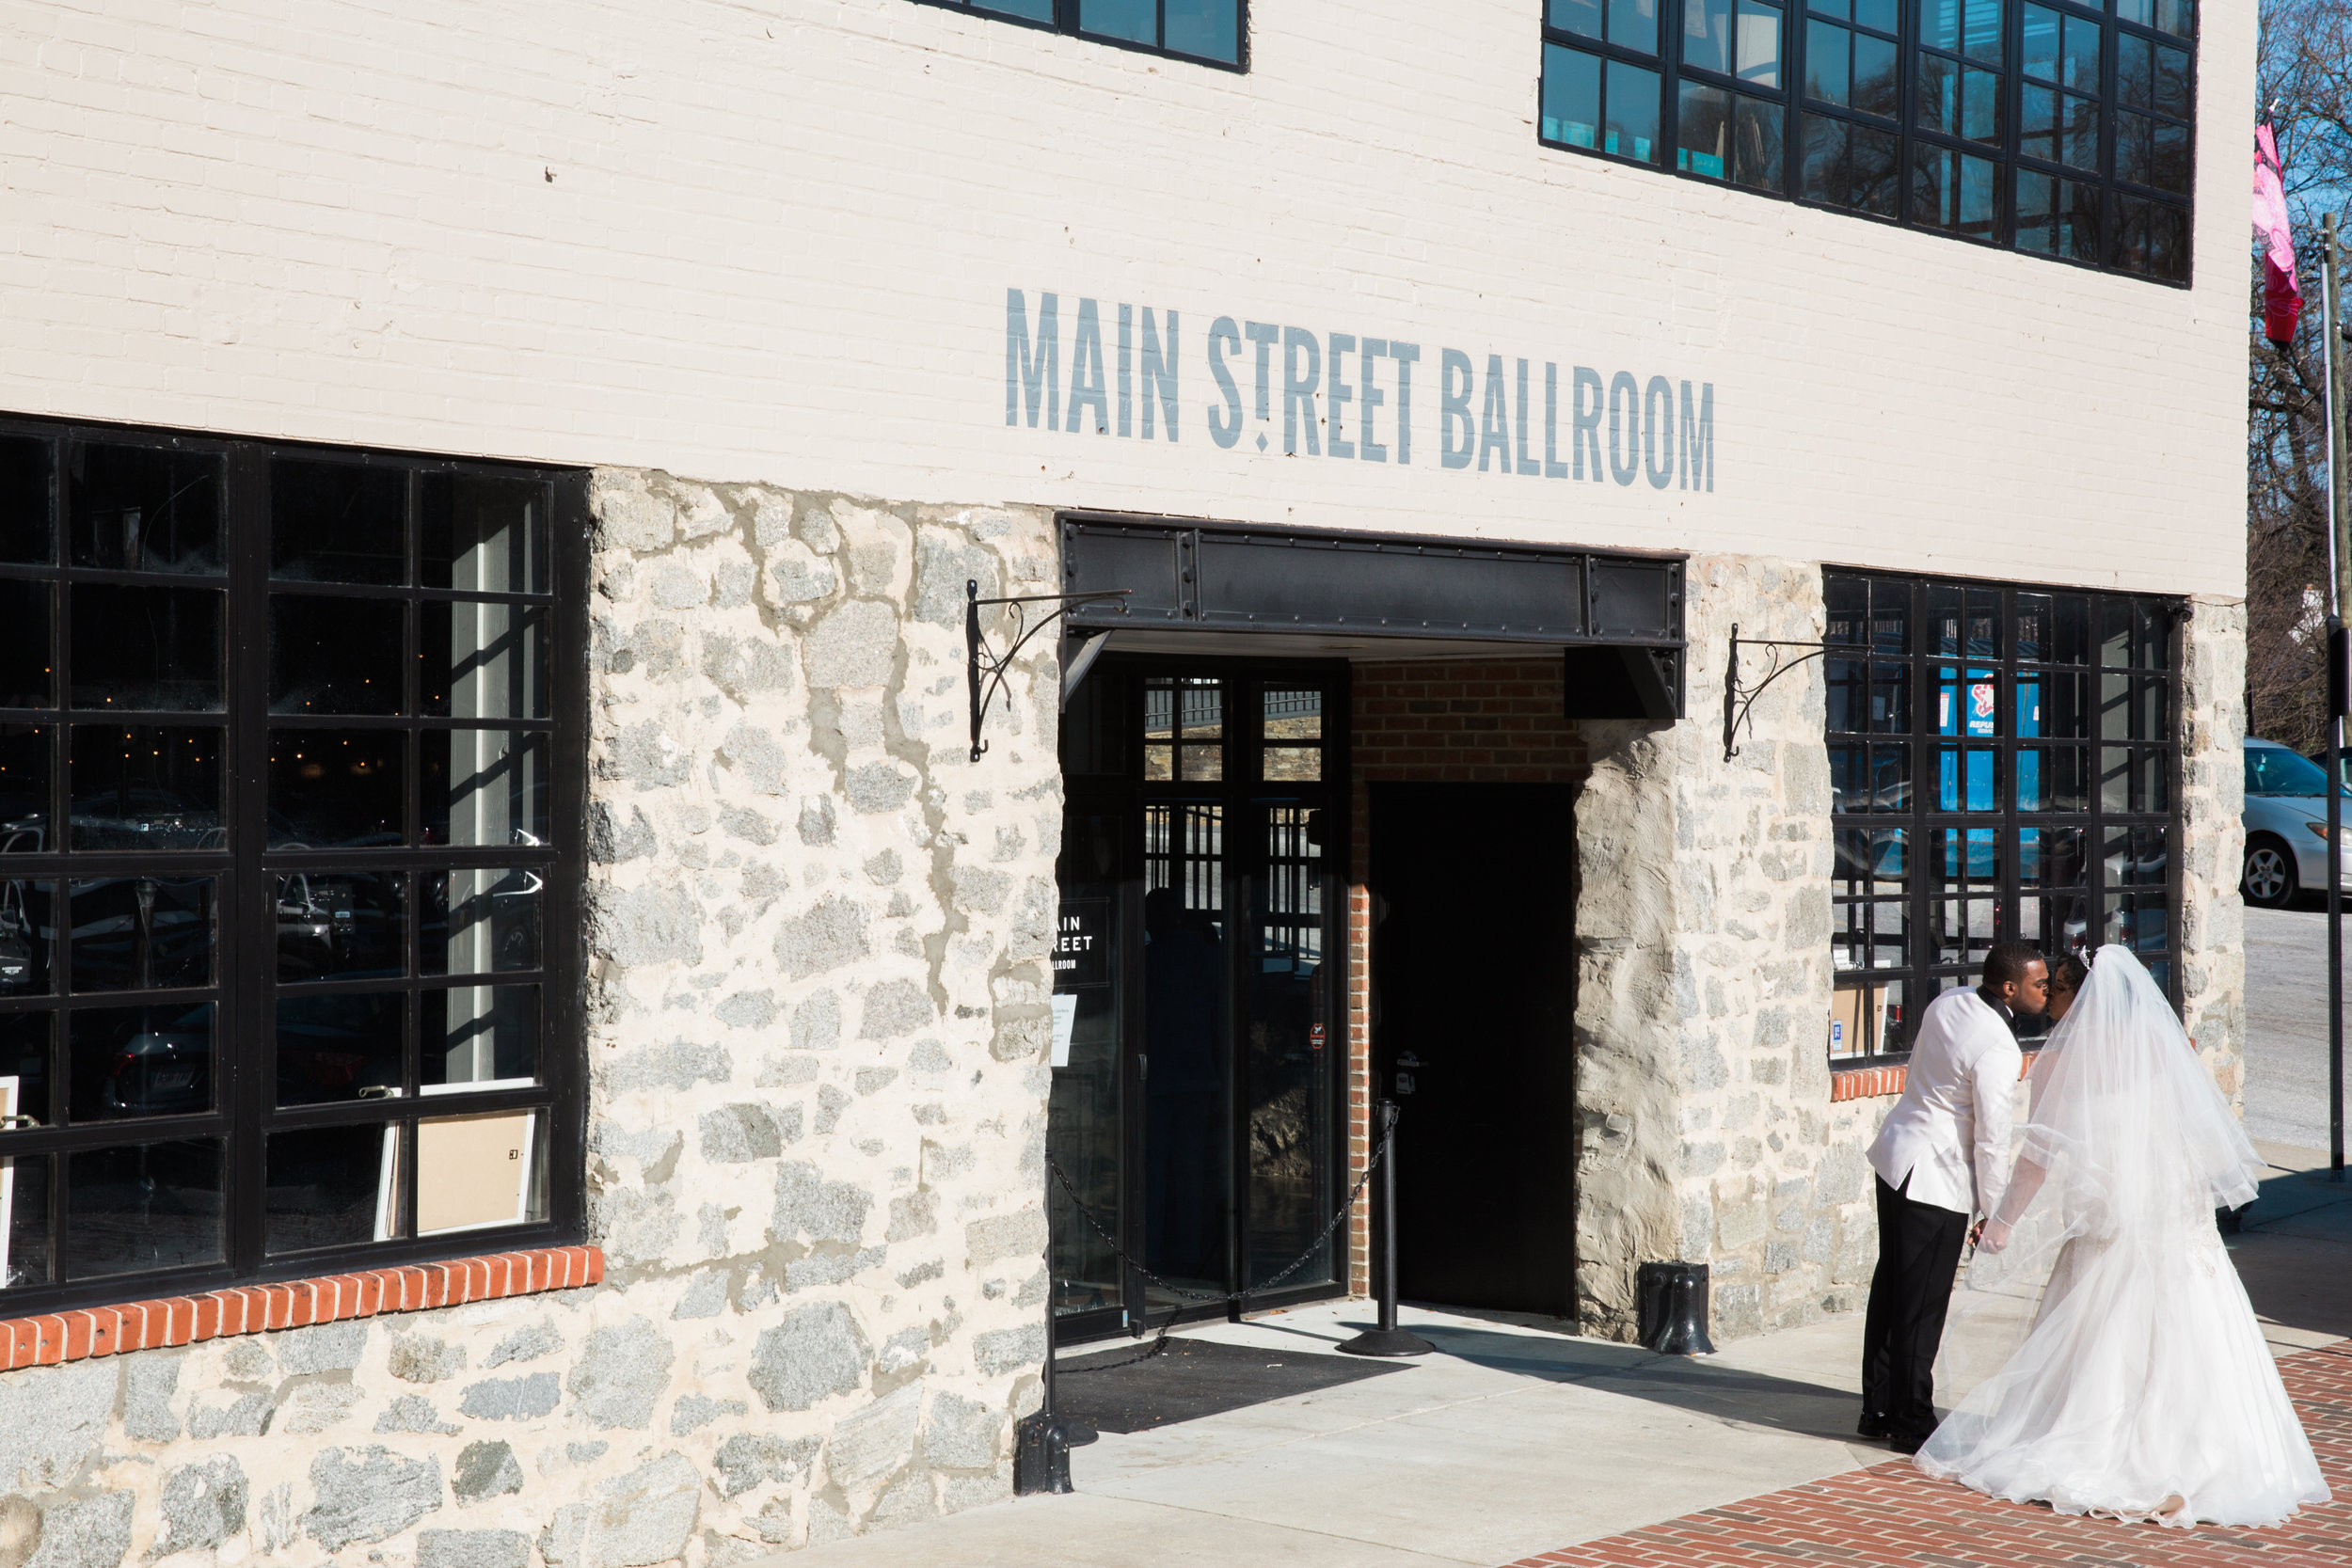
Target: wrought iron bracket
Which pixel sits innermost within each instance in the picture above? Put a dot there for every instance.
(988, 670)
(1739, 699)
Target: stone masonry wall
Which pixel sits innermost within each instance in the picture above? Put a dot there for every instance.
(1703, 1118)
(2213, 837)
(818, 1086)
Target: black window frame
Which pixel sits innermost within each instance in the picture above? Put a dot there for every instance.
(2123, 248)
(2155, 621)
(1066, 22)
(243, 1068)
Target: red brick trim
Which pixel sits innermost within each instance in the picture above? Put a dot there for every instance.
(45, 1341)
(1872, 1083)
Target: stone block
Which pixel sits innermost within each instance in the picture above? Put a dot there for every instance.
(809, 1205)
(879, 786)
(623, 1368)
(853, 644)
(639, 1519)
(239, 1416)
(816, 1024)
(484, 1470)
(51, 1420)
(414, 1413)
(527, 1343)
(511, 1399)
(368, 1495)
(828, 937)
(473, 1548)
(962, 1435)
(149, 1380)
(813, 1353)
(893, 1009)
(694, 1412)
(317, 1407)
(734, 1134)
(85, 1532)
(328, 1348)
(648, 925)
(203, 1505)
(1020, 1235)
(1009, 1350)
(870, 1443)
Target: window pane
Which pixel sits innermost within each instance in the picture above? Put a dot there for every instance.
(339, 1047)
(1874, 69)
(336, 655)
(1033, 10)
(480, 922)
(484, 535)
(1571, 97)
(1953, 192)
(2053, 704)
(2177, 17)
(146, 787)
(489, 787)
(1204, 763)
(1968, 779)
(2043, 29)
(28, 676)
(1294, 764)
(1209, 28)
(2138, 920)
(338, 522)
(482, 1171)
(1757, 155)
(154, 1207)
(142, 933)
(24, 1221)
(27, 1041)
(2135, 707)
(2051, 858)
(337, 787)
(1759, 53)
(1706, 34)
(471, 1037)
(330, 1186)
(139, 1061)
(2135, 71)
(1632, 124)
(483, 661)
(1131, 19)
(2136, 779)
(2052, 778)
(1849, 603)
(2169, 159)
(28, 500)
(1958, 101)
(1825, 167)
(1575, 16)
(145, 509)
(1872, 861)
(1293, 716)
(2152, 238)
(23, 790)
(342, 925)
(1634, 24)
(147, 649)
(1703, 132)
(1826, 61)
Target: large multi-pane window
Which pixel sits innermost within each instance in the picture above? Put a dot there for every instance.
(1215, 32)
(2061, 128)
(288, 802)
(2002, 765)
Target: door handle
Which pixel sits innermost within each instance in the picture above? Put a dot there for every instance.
(1143, 1068)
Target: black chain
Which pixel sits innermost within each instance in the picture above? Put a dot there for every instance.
(1160, 1342)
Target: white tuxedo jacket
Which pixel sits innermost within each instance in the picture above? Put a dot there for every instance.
(1948, 1133)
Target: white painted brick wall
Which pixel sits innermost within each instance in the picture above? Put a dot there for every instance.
(780, 231)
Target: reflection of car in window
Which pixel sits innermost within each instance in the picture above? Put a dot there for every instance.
(346, 926)
(322, 1057)
(145, 819)
(166, 1071)
(16, 939)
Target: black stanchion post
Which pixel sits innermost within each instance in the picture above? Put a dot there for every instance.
(1387, 1339)
(1041, 1442)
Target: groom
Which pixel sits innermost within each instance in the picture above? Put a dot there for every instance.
(1943, 1155)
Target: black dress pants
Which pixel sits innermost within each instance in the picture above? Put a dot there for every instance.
(1918, 1254)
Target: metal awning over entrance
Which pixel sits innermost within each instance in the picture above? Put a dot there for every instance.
(1271, 593)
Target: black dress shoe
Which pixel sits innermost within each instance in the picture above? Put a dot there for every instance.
(1909, 1442)
(1870, 1426)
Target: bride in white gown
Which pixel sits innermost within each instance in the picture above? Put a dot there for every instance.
(2143, 1389)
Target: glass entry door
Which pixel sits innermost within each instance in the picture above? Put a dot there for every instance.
(1197, 1098)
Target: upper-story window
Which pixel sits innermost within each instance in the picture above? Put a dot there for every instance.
(2062, 128)
(1215, 32)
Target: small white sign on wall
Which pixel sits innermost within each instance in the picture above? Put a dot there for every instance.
(1065, 1024)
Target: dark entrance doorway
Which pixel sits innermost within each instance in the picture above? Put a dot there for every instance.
(1473, 978)
(1198, 1072)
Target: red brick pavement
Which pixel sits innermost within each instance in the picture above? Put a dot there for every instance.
(1892, 1516)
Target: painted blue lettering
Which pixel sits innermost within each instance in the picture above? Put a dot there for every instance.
(1494, 433)
(1338, 393)
(1368, 445)
(1224, 337)
(1298, 389)
(1157, 371)
(1553, 468)
(1089, 387)
(1658, 432)
(1127, 369)
(1586, 431)
(1265, 338)
(1037, 373)
(1625, 446)
(1406, 356)
(1698, 438)
(1527, 463)
(1455, 404)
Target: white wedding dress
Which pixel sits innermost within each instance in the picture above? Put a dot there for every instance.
(2142, 1388)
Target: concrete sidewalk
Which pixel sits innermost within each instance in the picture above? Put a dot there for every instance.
(1516, 1438)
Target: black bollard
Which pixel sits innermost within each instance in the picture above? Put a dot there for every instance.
(1041, 1442)
(1387, 1339)
(1674, 1309)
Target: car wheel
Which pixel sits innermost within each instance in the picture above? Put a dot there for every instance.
(2270, 881)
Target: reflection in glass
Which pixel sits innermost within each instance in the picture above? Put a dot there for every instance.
(332, 656)
(139, 1061)
(337, 789)
(477, 1037)
(1083, 1118)
(145, 509)
(342, 925)
(481, 660)
(1186, 1170)
(28, 500)
(1288, 1058)
(142, 933)
(338, 522)
(2053, 778)
(1633, 105)
(477, 1171)
(2135, 779)
(1571, 107)
(1209, 28)
(23, 790)
(485, 786)
(25, 1043)
(1133, 21)
(481, 922)
(329, 1186)
(484, 534)
(28, 675)
(157, 1206)
(147, 649)
(24, 1220)
(146, 787)
(28, 938)
(339, 1047)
